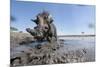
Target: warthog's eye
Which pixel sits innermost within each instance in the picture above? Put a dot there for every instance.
(45, 17)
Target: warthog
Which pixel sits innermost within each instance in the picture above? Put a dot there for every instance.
(45, 29)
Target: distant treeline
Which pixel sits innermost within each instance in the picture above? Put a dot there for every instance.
(76, 35)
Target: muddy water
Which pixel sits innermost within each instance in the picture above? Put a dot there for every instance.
(72, 47)
(87, 43)
(69, 44)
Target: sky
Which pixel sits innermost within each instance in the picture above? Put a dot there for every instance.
(69, 19)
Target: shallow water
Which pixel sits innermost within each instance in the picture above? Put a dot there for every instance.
(82, 43)
(69, 44)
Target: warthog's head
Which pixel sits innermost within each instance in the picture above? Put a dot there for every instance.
(43, 20)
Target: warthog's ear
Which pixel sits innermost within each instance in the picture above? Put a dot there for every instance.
(27, 29)
(51, 20)
(36, 21)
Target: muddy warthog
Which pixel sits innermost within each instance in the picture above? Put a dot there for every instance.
(45, 29)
